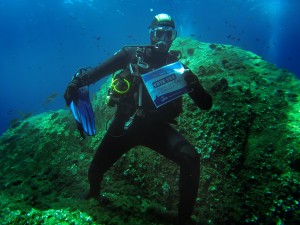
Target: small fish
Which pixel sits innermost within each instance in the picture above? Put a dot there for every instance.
(25, 115)
(9, 112)
(50, 98)
(14, 123)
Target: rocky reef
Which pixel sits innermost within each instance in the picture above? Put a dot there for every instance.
(249, 144)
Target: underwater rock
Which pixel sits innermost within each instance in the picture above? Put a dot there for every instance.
(190, 51)
(221, 85)
(248, 143)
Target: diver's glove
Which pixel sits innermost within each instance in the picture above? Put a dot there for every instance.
(190, 78)
(200, 97)
(71, 91)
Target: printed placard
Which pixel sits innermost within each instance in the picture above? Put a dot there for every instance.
(166, 83)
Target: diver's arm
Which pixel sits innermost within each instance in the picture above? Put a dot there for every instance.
(118, 61)
(200, 97)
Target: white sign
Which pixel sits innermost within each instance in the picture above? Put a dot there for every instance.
(166, 83)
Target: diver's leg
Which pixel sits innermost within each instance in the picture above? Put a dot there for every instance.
(109, 151)
(188, 182)
(168, 142)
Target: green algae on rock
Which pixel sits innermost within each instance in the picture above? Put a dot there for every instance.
(248, 142)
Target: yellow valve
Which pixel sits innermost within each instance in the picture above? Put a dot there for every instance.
(115, 85)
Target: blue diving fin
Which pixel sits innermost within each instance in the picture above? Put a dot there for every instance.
(82, 111)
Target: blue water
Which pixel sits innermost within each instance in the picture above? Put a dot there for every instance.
(44, 42)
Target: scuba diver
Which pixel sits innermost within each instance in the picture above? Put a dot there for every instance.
(137, 120)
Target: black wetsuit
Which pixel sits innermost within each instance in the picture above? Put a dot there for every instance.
(152, 130)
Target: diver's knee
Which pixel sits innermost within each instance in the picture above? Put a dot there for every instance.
(190, 166)
(95, 170)
(190, 153)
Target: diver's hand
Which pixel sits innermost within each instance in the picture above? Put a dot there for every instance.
(201, 98)
(190, 78)
(71, 91)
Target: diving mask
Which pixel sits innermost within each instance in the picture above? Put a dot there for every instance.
(163, 33)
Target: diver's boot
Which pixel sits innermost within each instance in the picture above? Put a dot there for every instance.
(103, 200)
(87, 195)
(94, 193)
(193, 222)
(188, 185)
